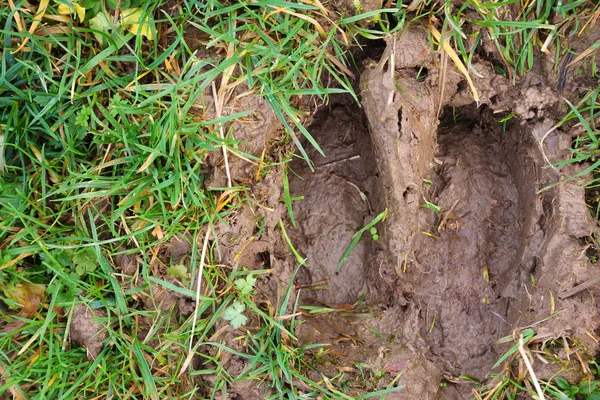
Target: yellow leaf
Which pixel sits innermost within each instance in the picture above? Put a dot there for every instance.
(80, 12)
(65, 9)
(28, 296)
(137, 22)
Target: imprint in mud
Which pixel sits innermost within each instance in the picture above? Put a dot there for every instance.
(339, 199)
(463, 275)
(441, 295)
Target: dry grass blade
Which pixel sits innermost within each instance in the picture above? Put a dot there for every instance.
(477, 396)
(538, 388)
(190, 355)
(456, 59)
(301, 16)
(493, 391)
(442, 84)
(36, 22)
(586, 53)
(218, 104)
(16, 260)
(16, 16)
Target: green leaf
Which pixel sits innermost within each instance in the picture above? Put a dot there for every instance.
(178, 271)
(234, 314)
(562, 383)
(245, 286)
(84, 261)
(587, 388)
(83, 117)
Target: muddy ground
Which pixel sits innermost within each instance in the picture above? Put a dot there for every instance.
(439, 288)
(431, 297)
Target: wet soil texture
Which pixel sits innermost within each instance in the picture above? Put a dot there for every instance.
(337, 202)
(472, 248)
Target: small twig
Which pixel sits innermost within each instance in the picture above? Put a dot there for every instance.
(442, 81)
(442, 224)
(360, 192)
(392, 70)
(329, 164)
(500, 316)
(580, 288)
(538, 388)
(117, 11)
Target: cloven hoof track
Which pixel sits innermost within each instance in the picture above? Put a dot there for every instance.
(465, 280)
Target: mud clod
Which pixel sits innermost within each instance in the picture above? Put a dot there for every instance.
(87, 330)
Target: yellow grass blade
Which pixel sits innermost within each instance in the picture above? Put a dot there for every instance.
(457, 61)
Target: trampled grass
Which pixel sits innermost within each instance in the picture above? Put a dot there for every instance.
(103, 141)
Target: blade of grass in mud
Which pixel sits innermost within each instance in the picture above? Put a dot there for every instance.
(356, 237)
(287, 197)
(527, 336)
(295, 252)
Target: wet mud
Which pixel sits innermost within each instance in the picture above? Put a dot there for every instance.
(460, 275)
(339, 196)
(440, 287)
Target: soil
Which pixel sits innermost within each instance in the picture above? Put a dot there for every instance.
(87, 330)
(430, 299)
(338, 201)
(441, 288)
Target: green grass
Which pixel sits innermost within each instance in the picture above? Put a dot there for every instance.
(103, 143)
(102, 146)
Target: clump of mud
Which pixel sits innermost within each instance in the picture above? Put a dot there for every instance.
(441, 287)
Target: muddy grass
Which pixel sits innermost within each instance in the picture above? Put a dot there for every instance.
(440, 288)
(429, 300)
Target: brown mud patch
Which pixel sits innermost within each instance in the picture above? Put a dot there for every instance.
(427, 302)
(339, 199)
(440, 288)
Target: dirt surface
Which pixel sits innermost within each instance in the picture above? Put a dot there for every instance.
(441, 288)
(87, 330)
(337, 203)
(430, 299)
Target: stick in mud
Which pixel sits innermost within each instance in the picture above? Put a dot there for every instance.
(580, 288)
